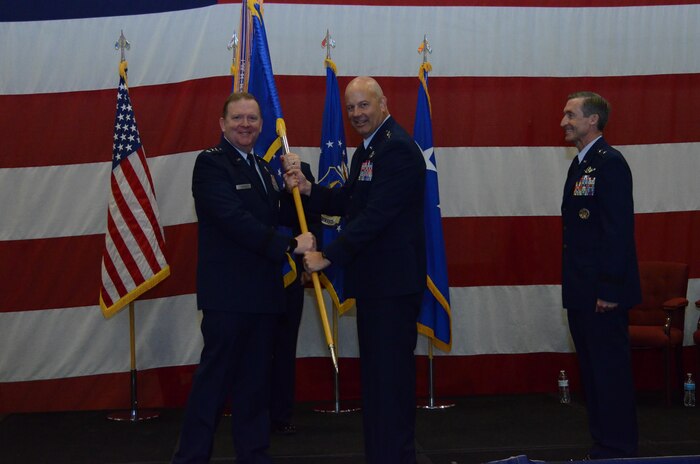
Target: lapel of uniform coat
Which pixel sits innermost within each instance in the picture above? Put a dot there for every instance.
(270, 179)
(362, 154)
(256, 179)
(383, 134)
(358, 158)
(237, 165)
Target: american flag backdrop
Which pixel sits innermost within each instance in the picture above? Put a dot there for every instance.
(501, 71)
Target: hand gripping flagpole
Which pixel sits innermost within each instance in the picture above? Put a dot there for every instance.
(425, 49)
(281, 131)
(134, 415)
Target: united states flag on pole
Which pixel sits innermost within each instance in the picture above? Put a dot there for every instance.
(133, 259)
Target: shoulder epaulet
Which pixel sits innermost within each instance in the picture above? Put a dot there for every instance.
(213, 150)
(603, 152)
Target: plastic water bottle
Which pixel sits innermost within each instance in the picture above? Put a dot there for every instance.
(689, 392)
(564, 395)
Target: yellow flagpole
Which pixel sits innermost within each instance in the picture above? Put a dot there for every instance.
(314, 275)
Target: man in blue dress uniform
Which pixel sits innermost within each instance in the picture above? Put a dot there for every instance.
(382, 250)
(240, 287)
(600, 277)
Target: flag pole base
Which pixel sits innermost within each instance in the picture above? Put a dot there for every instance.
(432, 404)
(133, 416)
(334, 408)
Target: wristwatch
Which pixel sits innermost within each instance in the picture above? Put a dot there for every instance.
(292, 245)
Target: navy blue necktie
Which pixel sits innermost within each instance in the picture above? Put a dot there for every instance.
(251, 163)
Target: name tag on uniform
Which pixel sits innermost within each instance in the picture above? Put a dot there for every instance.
(585, 187)
(366, 171)
(243, 186)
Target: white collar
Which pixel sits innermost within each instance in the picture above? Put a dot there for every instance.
(582, 153)
(366, 141)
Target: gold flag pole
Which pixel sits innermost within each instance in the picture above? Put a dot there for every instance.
(248, 9)
(134, 415)
(314, 275)
(282, 133)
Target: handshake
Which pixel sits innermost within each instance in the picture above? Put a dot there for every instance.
(314, 261)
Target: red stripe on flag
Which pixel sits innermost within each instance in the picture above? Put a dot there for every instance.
(78, 135)
(489, 251)
(72, 265)
(489, 102)
(142, 237)
(526, 250)
(126, 216)
(114, 279)
(144, 161)
(480, 251)
(120, 249)
(149, 210)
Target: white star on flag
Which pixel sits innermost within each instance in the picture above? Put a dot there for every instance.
(427, 154)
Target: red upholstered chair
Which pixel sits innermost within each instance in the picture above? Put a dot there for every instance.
(657, 322)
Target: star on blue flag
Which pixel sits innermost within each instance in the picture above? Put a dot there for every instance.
(434, 320)
(332, 173)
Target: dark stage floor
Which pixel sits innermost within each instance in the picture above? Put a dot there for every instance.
(477, 429)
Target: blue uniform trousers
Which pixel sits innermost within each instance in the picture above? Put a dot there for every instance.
(387, 334)
(235, 363)
(603, 349)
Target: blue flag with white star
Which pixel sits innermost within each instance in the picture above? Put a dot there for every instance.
(434, 320)
(332, 173)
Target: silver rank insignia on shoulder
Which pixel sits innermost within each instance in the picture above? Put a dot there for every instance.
(584, 214)
(589, 170)
(388, 134)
